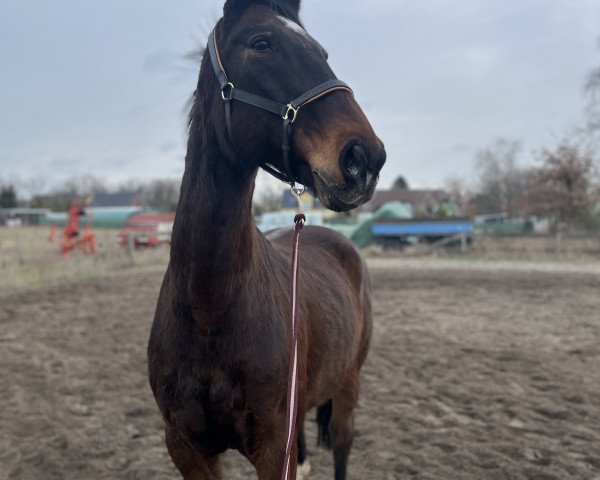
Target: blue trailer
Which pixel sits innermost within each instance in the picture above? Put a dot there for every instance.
(400, 232)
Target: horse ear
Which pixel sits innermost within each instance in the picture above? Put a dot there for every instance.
(236, 7)
(294, 5)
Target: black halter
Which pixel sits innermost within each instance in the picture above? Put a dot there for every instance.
(288, 112)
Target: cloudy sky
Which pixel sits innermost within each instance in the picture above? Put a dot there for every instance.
(100, 87)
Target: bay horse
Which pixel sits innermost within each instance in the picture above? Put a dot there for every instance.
(218, 353)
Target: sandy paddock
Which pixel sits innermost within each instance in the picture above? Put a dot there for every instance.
(476, 371)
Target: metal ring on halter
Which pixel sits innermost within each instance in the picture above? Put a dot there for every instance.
(229, 97)
(298, 191)
(290, 108)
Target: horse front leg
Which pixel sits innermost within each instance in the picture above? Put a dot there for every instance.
(192, 465)
(269, 466)
(270, 456)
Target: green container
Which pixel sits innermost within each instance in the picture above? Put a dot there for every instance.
(109, 217)
(363, 235)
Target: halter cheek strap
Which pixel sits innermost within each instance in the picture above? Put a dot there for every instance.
(287, 112)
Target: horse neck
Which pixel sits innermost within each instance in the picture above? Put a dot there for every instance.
(215, 242)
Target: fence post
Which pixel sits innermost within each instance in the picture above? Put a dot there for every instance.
(18, 244)
(130, 247)
(558, 242)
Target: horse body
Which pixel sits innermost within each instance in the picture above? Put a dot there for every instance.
(218, 352)
(335, 310)
(218, 362)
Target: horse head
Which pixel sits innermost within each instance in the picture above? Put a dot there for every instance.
(266, 50)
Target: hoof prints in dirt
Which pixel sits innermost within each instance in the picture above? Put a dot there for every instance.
(472, 374)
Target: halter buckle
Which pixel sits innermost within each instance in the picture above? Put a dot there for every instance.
(294, 111)
(227, 88)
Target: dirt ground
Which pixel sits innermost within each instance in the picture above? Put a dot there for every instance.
(476, 371)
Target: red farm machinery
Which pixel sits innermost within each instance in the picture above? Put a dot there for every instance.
(75, 238)
(147, 230)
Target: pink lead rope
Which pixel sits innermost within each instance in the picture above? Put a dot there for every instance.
(292, 392)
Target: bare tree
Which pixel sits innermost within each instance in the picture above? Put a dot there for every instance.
(8, 196)
(34, 186)
(162, 194)
(82, 186)
(268, 200)
(564, 187)
(400, 183)
(500, 179)
(60, 198)
(130, 185)
(459, 194)
(592, 88)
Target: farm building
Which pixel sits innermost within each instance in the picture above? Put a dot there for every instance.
(24, 216)
(107, 210)
(112, 210)
(423, 202)
(116, 200)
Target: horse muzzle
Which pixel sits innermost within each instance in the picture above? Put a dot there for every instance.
(359, 164)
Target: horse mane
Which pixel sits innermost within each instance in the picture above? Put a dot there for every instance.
(190, 104)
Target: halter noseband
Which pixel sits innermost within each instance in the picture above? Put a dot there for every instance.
(288, 112)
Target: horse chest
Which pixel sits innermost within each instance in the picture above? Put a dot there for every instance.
(219, 386)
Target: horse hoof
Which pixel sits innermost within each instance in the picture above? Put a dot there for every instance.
(302, 471)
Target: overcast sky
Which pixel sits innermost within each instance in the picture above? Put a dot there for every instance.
(100, 87)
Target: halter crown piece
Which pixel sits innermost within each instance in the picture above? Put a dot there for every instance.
(288, 112)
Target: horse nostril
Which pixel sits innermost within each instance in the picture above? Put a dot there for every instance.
(377, 160)
(353, 161)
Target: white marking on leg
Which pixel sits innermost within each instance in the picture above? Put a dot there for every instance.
(303, 470)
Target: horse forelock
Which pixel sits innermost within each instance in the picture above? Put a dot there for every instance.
(286, 10)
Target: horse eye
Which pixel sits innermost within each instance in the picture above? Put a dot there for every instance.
(261, 45)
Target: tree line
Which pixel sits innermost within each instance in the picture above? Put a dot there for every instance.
(162, 194)
(564, 186)
(8, 196)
